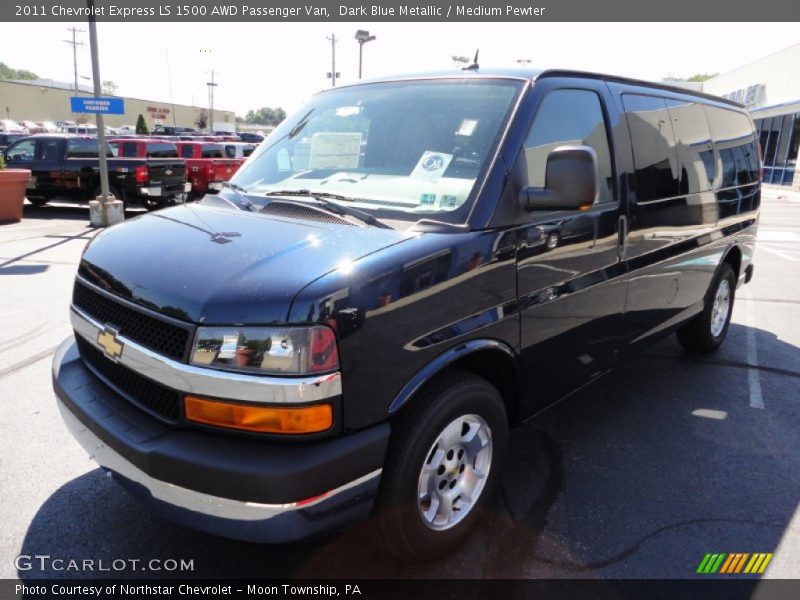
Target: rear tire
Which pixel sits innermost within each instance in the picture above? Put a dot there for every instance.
(443, 466)
(40, 201)
(706, 332)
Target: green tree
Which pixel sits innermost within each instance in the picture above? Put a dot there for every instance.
(109, 88)
(202, 119)
(7, 72)
(141, 126)
(695, 77)
(265, 116)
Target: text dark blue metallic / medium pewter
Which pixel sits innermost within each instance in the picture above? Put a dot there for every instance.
(402, 271)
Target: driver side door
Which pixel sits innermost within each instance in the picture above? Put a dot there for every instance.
(569, 262)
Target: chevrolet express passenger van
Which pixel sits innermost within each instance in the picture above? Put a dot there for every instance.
(402, 271)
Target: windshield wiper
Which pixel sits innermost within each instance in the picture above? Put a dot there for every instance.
(324, 199)
(239, 193)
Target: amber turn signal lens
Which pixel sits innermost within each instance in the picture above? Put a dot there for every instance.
(261, 419)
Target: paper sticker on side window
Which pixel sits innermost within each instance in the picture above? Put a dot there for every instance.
(431, 166)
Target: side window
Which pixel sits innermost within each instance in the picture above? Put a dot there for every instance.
(187, 152)
(230, 151)
(693, 142)
(23, 150)
(735, 144)
(569, 117)
(48, 150)
(129, 150)
(655, 158)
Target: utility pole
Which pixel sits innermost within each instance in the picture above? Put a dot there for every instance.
(74, 43)
(211, 86)
(333, 74)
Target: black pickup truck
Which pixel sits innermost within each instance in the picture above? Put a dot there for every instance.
(68, 165)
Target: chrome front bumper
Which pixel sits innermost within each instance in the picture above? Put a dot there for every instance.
(162, 466)
(249, 521)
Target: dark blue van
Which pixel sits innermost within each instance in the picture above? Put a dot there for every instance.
(402, 271)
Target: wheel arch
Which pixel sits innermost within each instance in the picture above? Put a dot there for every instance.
(491, 359)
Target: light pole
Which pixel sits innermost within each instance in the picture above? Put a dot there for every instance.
(363, 37)
(211, 86)
(106, 217)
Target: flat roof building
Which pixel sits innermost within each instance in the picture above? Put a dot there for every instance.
(770, 88)
(45, 100)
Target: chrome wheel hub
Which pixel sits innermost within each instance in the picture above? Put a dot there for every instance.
(721, 307)
(454, 472)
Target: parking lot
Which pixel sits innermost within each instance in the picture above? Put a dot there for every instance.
(639, 475)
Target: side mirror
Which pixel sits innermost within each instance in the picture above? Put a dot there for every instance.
(570, 181)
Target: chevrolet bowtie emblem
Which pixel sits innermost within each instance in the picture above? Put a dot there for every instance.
(168, 172)
(107, 340)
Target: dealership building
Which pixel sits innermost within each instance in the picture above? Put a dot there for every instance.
(46, 100)
(770, 88)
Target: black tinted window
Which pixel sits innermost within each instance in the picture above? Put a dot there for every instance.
(162, 151)
(693, 143)
(735, 143)
(83, 148)
(654, 155)
(569, 117)
(129, 150)
(230, 151)
(187, 152)
(212, 151)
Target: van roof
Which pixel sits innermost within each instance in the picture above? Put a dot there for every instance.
(532, 75)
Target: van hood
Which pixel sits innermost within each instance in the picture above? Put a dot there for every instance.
(223, 266)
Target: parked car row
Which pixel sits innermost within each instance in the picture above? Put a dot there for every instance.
(152, 171)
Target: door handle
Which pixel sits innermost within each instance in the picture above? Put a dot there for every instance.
(622, 237)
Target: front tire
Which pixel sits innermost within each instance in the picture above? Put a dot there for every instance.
(443, 466)
(706, 332)
(39, 201)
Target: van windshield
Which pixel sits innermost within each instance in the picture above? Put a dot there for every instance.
(399, 150)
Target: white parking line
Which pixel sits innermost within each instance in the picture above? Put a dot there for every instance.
(753, 376)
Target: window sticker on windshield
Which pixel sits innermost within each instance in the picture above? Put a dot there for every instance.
(431, 166)
(427, 199)
(448, 201)
(335, 150)
(467, 127)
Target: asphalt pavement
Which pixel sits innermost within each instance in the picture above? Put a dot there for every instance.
(639, 475)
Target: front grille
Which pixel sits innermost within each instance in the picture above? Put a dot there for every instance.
(151, 332)
(161, 401)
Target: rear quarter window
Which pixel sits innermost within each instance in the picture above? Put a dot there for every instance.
(212, 151)
(163, 150)
(735, 146)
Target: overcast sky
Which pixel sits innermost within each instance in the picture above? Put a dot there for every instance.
(279, 64)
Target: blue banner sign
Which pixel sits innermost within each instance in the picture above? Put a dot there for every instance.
(106, 106)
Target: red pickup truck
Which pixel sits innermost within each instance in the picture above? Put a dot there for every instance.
(206, 166)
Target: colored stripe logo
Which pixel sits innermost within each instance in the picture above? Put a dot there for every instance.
(735, 563)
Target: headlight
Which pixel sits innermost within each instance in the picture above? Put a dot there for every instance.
(267, 350)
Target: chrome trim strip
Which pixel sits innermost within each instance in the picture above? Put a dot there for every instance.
(211, 382)
(190, 327)
(184, 498)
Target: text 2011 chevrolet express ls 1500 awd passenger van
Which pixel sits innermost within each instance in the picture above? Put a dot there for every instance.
(403, 270)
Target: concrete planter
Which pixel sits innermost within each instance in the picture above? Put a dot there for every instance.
(12, 193)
